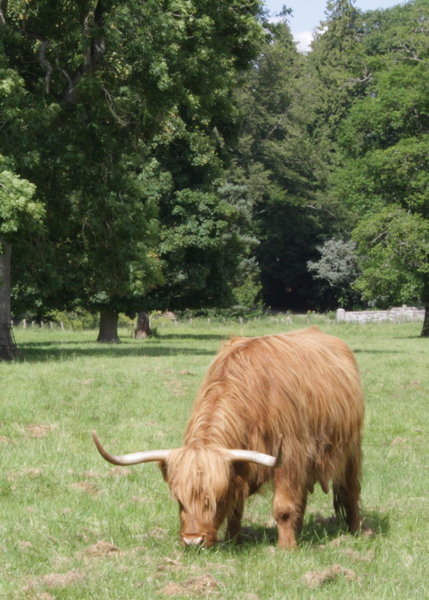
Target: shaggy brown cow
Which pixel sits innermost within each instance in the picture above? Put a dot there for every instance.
(288, 407)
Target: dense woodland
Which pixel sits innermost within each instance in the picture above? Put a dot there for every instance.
(182, 154)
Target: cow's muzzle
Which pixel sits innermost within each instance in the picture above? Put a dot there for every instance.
(197, 541)
(193, 541)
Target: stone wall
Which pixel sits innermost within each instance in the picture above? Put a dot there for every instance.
(395, 315)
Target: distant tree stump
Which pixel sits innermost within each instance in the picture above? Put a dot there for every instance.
(142, 328)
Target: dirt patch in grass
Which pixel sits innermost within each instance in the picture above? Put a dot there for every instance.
(157, 533)
(24, 546)
(355, 555)
(87, 487)
(101, 549)
(118, 472)
(315, 579)
(53, 581)
(335, 543)
(398, 441)
(169, 564)
(198, 586)
(175, 564)
(141, 499)
(29, 473)
(38, 430)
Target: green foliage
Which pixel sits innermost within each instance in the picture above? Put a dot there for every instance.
(380, 168)
(200, 247)
(18, 210)
(394, 256)
(338, 71)
(76, 321)
(247, 291)
(81, 319)
(122, 106)
(146, 166)
(277, 165)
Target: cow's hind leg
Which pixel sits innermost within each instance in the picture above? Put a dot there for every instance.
(346, 494)
(288, 510)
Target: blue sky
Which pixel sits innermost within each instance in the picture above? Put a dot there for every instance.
(307, 14)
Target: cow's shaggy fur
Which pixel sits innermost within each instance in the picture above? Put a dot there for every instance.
(302, 388)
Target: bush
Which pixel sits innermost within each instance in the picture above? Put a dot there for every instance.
(230, 313)
(76, 320)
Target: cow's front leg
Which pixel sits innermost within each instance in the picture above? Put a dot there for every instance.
(233, 528)
(288, 510)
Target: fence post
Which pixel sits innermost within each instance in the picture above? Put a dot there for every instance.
(341, 315)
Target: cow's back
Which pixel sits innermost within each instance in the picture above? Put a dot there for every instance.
(303, 386)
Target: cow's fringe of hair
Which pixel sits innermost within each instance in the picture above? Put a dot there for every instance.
(303, 386)
(194, 484)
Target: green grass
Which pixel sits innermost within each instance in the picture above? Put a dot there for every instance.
(73, 527)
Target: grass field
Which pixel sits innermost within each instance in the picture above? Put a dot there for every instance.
(74, 527)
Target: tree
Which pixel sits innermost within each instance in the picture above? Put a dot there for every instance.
(277, 162)
(200, 247)
(203, 217)
(384, 176)
(102, 100)
(394, 256)
(18, 214)
(339, 73)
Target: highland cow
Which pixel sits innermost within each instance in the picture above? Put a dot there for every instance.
(284, 407)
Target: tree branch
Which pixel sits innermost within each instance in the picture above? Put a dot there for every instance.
(98, 45)
(110, 103)
(3, 11)
(45, 64)
(276, 125)
(67, 76)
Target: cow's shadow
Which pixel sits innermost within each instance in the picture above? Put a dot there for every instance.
(316, 531)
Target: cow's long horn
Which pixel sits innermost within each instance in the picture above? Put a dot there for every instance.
(131, 459)
(257, 457)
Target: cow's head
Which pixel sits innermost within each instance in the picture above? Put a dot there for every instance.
(203, 480)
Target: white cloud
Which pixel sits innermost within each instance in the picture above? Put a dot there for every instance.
(303, 40)
(276, 19)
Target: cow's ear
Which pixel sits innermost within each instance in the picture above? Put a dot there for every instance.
(163, 466)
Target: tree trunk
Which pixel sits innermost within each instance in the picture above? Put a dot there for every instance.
(8, 349)
(108, 331)
(425, 329)
(142, 328)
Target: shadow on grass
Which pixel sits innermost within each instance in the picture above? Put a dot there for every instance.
(51, 351)
(195, 336)
(316, 531)
(319, 530)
